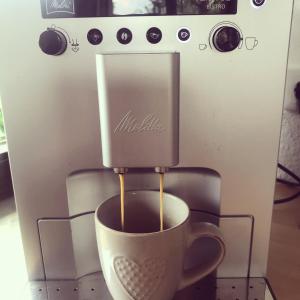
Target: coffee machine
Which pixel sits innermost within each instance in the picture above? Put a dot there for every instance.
(224, 63)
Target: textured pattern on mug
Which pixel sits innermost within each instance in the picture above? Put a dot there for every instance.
(140, 281)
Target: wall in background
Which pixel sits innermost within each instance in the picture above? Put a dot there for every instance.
(290, 136)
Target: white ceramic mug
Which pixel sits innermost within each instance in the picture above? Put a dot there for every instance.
(143, 263)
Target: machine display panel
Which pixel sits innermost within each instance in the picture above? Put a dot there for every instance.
(114, 8)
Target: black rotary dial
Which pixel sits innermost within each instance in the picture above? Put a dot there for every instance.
(226, 38)
(53, 42)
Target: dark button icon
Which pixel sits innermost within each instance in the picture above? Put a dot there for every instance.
(154, 35)
(95, 36)
(183, 34)
(258, 2)
(124, 36)
(75, 46)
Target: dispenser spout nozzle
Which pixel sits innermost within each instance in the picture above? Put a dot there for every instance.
(120, 170)
(161, 170)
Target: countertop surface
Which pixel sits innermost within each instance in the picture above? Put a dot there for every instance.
(284, 255)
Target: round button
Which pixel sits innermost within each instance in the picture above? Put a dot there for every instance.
(95, 36)
(53, 42)
(154, 35)
(183, 35)
(226, 38)
(124, 36)
(258, 2)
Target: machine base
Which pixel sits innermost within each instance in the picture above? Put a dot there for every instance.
(93, 287)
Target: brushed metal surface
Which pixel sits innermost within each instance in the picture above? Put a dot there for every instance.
(94, 288)
(33, 290)
(56, 242)
(139, 109)
(74, 239)
(199, 187)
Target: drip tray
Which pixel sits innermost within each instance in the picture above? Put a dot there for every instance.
(92, 287)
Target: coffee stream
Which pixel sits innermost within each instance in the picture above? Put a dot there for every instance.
(161, 200)
(122, 193)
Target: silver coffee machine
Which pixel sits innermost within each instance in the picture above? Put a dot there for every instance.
(192, 85)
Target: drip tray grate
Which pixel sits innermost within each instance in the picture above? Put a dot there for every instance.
(93, 287)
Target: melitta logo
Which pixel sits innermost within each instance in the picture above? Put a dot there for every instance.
(130, 124)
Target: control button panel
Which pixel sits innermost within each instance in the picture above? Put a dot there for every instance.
(53, 42)
(183, 35)
(95, 36)
(226, 38)
(154, 35)
(124, 36)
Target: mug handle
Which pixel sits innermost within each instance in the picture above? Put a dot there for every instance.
(203, 230)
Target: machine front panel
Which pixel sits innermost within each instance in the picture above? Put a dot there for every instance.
(231, 94)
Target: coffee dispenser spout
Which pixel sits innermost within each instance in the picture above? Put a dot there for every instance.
(161, 170)
(120, 170)
(139, 113)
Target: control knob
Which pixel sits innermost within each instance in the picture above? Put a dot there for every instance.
(53, 42)
(226, 38)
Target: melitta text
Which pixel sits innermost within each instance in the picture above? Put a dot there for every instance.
(129, 123)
